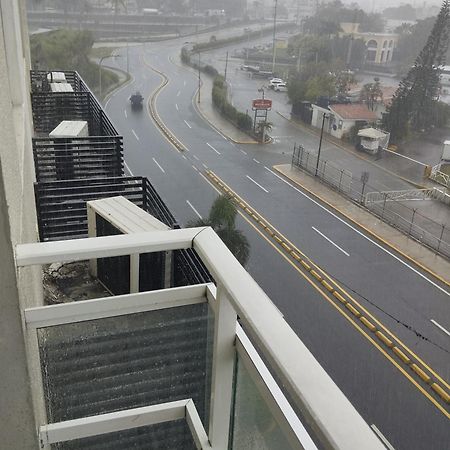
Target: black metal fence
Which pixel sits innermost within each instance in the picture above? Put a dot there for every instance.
(51, 108)
(394, 212)
(74, 158)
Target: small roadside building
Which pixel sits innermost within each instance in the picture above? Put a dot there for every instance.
(371, 139)
(340, 118)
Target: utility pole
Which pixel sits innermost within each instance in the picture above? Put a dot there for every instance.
(274, 50)
(320, 143)
(298, 12)
(199, 79)
(128, 62)
(226, 67)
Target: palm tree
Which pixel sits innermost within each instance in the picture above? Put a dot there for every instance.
(222, 219)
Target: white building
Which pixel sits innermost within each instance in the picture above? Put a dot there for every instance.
(339, 119)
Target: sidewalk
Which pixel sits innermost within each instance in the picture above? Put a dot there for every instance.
(384, 233)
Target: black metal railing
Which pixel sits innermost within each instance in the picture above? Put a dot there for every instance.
(51, 108)
(74, 158)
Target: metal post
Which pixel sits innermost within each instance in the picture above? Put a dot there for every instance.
(226, 67)
(320, 143)
(384, 205)
(128, 62)
(340, 179)
(440, 239)
(412, 220)
(362, 194)
(274, 33)
(324, 170)
(199, 79)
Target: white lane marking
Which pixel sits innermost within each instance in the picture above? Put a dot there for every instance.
(128, 169)
(330, 241)
(176, 106)
(211, 147)
(204, 165)
(194, 167)
(196, 157)
(184, 157)
(441, 327)
(186, 149)
(257, 184)
(178, 93)
(156, 162)
(193, 209)
(381, 437)
(256, 161)
(187, 124)
(125, 112)
(360, 233)
(242, 151)
(135, 135)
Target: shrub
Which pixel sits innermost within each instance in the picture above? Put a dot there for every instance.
(244, 121)
(210, 70)
(229, 111)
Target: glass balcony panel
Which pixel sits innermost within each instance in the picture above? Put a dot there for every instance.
(163, 436)
(254, 425)
(142, 359)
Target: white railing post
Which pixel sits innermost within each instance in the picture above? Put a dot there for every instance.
(222, 371)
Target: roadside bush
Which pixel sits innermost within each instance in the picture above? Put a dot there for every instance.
(244, 121)
(210, 70)
(218, 97)
(229, 111)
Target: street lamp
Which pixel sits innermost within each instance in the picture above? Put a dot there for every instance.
(274, 51)
(324, 116)
(100, 71)
(199, 79)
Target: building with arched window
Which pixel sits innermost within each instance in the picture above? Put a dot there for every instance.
(380, 46)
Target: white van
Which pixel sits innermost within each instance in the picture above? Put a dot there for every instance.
(280, 87)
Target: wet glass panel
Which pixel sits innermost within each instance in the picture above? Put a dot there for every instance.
(163, 436)
(254, 426)
(130, 361)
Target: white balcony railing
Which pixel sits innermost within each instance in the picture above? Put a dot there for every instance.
(328, 414)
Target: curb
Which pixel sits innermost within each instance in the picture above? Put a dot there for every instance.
(326, 139)
(389, 340)
(368, 231)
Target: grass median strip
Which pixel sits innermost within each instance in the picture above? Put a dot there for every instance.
(386, 338)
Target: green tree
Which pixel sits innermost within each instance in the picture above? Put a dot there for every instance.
(320, 85)
(222, 218)
(344, 81)
(415, 102)
(371, 93)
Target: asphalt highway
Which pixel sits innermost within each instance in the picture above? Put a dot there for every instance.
(384, 283)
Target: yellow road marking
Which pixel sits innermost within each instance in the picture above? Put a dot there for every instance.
(382, 337)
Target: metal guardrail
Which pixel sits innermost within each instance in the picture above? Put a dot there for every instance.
(391, 210)
(440, 177)
(389, 196)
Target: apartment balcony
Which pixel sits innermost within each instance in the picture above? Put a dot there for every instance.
(210, 365)
(186, 350)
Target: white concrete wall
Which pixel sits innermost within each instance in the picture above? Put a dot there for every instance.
(17, 225)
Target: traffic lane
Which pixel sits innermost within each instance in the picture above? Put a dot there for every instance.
(380, 282)
(371, 383)
(211, 163)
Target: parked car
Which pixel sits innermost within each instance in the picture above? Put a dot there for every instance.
(275, 81)
(280, 87)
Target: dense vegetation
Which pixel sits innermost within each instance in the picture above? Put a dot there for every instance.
(69, 50)
(415, 106)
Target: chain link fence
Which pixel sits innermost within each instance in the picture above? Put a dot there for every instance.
(409, 220)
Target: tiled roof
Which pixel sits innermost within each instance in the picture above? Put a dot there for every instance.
(356, 111)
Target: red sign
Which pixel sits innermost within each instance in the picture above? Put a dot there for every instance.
(262, 103)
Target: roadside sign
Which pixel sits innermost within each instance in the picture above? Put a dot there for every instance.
(262, 103)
